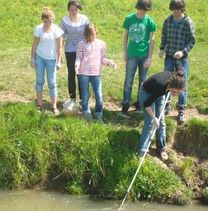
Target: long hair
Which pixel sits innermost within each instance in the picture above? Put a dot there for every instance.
(177, 80)
(90, 32)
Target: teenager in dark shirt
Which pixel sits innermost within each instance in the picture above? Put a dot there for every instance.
(152, 97)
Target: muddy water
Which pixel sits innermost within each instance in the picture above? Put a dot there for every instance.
(50, 201)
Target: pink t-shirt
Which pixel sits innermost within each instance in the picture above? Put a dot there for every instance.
(90, 56)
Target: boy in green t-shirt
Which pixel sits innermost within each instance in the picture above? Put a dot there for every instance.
(138, 45)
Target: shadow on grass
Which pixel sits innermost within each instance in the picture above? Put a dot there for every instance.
(112, 117)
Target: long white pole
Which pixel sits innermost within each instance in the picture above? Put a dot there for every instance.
(141, 160)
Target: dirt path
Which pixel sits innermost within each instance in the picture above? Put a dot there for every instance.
(10, 96)
(190, 112)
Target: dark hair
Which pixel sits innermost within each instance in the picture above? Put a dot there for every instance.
(75, 3)
(145, 5)
(89, 33)
(177, 80)
(177, 5)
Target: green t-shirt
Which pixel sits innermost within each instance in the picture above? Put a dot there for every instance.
(139, 30)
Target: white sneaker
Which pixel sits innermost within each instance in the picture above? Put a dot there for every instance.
(163, 155)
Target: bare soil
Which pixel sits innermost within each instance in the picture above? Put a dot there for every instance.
(9, 96)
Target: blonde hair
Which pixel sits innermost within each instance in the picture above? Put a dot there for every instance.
(89, 32)
(47, 13)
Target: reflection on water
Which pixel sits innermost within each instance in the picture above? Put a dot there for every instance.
(49, 201)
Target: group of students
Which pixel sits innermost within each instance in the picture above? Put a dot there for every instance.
(177, 40)
(85, 54)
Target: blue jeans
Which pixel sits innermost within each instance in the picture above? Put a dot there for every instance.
(170, 66)
(85, 80)
(132, 64)
(147, 129)
(50, 67)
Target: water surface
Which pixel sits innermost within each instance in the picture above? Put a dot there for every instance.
(50, 201)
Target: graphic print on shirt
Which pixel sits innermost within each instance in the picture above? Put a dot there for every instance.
(137, 32)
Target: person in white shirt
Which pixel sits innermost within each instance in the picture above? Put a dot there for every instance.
(46, 55)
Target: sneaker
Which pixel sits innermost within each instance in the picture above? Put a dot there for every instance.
(56, 111)
(99, 120)
(167, 109)
(88, 117)
(181, 116)
(124, 114)
(163, 155)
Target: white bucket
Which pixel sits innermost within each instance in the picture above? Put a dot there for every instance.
(70, 107)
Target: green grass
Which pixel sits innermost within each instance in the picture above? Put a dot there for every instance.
(19, 18)
(35, 147)
(88, 158)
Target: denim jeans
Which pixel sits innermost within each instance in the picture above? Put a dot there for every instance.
(132, 64)
(50, 67)
(85, 80)
(170, 66)
(148, 122)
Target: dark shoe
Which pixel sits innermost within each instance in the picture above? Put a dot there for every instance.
(138, 108)
(167, 109)
(88, 117)
(124, 114)
(181, 116)
(99, 120)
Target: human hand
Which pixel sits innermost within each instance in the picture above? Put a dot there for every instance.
(32, 63)
(162, 54)
(58, 65)
(178, 55)
(124, 55)
(147, 63)
(111, 64)
(156, 123)
(76, 68)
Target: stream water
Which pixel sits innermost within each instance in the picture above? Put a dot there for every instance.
(51, 201)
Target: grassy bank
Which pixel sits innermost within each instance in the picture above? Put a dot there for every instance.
(36, 148)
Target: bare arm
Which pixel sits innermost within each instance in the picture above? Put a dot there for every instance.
(150, 112)
(151, 48)
(79, 56)
(125, 42)
(59, 42)
(33, 51)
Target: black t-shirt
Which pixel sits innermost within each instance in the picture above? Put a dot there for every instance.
(156, 86)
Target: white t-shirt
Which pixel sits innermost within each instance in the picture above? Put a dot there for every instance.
(47, 45)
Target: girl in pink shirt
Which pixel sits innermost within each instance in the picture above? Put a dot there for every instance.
(90, 56)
